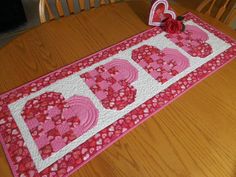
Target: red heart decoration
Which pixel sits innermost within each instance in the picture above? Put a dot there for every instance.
(160, 11)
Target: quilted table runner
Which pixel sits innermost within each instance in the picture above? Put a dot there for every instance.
(57, 123)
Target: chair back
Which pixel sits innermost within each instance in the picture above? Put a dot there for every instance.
(226, 11)
(50, 9)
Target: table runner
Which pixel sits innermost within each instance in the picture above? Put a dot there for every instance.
(57, 123)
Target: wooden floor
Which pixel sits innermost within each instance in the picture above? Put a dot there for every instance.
(195, 136)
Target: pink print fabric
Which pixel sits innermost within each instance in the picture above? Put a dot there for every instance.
(162, 65)
(54, 121)
(193, 41)
(111, 83)
(55, 124)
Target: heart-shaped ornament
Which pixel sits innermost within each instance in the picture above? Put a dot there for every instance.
(160, 11)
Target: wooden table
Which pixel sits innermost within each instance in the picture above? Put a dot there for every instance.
(195, 136)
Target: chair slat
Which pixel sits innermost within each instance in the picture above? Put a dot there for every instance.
(231, 17)
(42, 16)
(92, 3)
(42, 12)
(50, 14)
(211, 7)
(222, 10)
(83, 5)
(60, 8)
(70, 4)
(203, 5)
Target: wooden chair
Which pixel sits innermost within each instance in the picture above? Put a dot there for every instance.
(224, 13)
(46, 12)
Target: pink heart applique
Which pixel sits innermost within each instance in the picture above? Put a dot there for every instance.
(54, 122)
(111, 83)
(161, 65)
(193, 40)
(160, 10)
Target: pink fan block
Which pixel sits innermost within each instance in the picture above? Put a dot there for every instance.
(82, 107)
(196, 33)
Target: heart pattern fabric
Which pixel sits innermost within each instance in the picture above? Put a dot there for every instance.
(161, 65)
(54, 121)
(160, 11)
(111, 83)
(193, 40)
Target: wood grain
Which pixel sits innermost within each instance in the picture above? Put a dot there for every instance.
(195, 136)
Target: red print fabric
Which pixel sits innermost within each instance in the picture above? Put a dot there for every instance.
(193, 41)
(161, 65)
(54, 122)
(111, 83)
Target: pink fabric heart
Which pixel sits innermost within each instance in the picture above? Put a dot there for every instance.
(193, 40)
(161, 65)
(54, 122)
(111, 83)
